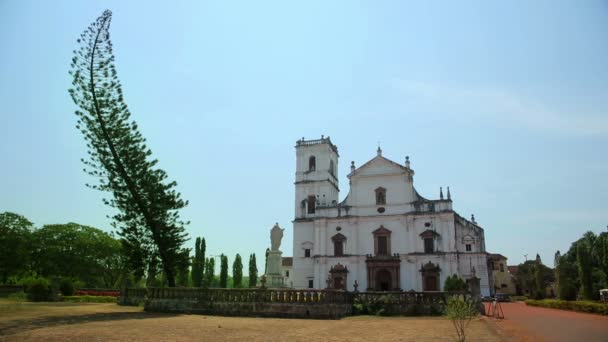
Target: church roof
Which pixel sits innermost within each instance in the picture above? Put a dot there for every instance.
(375, 159)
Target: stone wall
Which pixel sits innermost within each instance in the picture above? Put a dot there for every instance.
(398, 303)
(132, 296)
(325, 304)
(287, 303)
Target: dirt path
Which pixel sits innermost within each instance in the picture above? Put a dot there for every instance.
(529, 323)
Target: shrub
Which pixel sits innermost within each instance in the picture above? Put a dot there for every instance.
(17, 296)
(38, 289)
(89, 299)
(66, 287)
(460, 311)
(518, 298)
(580, 306)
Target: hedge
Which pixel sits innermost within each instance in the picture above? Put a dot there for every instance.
(110, 293)
(518, 298)
(89, 299)
(580, 306)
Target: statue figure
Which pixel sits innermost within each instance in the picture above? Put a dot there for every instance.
(276, 234)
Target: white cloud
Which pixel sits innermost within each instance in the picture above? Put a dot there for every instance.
(502, 106)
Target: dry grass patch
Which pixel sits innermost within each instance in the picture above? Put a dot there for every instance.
(109, 322)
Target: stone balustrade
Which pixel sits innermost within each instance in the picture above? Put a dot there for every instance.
(296, 303)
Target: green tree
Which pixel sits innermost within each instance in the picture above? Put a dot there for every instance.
(209, 272)
(237, 272)
(583, 259)
(223, 271)
(147, 204)
(455, 283)
(539, 282)
(253, 271)
(198, 262)
(79, 252)
(15, 239)
(183, 269)
(526, 276)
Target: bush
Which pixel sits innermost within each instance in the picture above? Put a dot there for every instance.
(17, 296)
(66, 287)
(455, 283)
(460, 311)
(518, 298)
(580, 306)
(89, 299)
(37, 289)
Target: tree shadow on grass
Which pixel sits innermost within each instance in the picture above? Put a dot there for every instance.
(20, 325)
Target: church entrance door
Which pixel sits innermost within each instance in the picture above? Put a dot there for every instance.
(338, 283)
(430, 283)
(383, 280)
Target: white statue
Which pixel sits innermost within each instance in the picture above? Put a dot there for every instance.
(276, 234)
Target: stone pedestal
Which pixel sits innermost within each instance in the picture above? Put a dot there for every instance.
(274, 278)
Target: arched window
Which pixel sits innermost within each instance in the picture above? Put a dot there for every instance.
(380, 196)
(311, 204)
(429, 236)
(312, 163)
(332, 168)
(338, 241)
(382, 241)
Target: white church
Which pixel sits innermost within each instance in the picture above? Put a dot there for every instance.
(383, 236)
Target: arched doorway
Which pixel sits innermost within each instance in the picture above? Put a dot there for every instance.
(383, 280)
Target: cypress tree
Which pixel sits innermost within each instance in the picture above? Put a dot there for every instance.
(223, 271)
(583, 259)
(538, 278)
(237, 272)
(197, 266)
(209, 272)
(253, 271)
(147, 204)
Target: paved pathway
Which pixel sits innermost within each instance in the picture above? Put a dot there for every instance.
(529, 323)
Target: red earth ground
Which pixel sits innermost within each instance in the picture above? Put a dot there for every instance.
(529, 323)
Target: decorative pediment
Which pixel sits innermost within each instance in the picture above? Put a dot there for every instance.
(468, 239)
(339, 268)
(338, 238)
(429, 234)
(307, 245)
(381, 231)
(430, 267)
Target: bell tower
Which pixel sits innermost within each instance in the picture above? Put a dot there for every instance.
(316, 176)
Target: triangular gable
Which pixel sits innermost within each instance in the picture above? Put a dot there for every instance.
(381, 231)
(428, 234)
(379, 165)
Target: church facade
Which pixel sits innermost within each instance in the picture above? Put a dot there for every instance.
(383, 236)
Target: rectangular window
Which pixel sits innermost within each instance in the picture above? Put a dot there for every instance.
(382, 245)
(307, 253)
(338, 248)
(311, 204)
(429, 246)
(310, 283)
(468, 246)
(502, 267)
(287, 273)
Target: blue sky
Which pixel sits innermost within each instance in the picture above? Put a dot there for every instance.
(506, 103)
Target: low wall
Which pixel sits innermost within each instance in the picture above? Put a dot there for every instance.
(6, 290)
(399, 303)
(327, 304)
(286, 303)
(132, 296)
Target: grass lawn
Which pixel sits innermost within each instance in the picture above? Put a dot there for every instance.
(103, 322)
